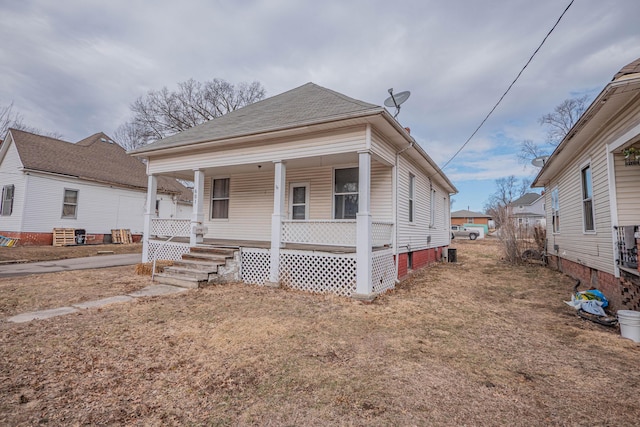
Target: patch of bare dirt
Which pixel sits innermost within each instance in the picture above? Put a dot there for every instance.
(50, 253)
(478, 342)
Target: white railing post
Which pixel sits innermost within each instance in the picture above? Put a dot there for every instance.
(364, 239)
(196, 234)
(276, 222)
(150, 211)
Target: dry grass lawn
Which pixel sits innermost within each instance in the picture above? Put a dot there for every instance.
(473, 343)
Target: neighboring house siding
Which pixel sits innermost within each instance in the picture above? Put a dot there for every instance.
(627, 192)
(100, 208)
(11, 174)
(343, 141)
(592, 249)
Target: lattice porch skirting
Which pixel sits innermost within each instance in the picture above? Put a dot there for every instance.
(168, 251)
(319, 272)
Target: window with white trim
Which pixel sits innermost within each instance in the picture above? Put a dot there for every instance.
(299, 201)
(412, 192)
(432, 203)
(345, 193)
(587, 199)
(220, 198)
(555, 210)
(70, 204)
(6, 206)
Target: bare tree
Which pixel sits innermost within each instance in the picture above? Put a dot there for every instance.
(558, 124)
(564, 116)
(11, 119)
(508, 189)
(162, 113)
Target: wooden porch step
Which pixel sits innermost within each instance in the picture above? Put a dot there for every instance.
(226, 252)
(201, 265)
(204, 257)
(198, 275)
(182, 281)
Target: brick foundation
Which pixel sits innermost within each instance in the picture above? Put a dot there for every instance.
(421, 259)
(623, 293)
(46, 239)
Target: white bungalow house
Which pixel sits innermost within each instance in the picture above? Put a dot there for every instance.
(592, 193)
(528, 210)
(92, 185)
(309, 189)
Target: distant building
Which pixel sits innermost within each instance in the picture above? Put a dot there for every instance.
(463, 217)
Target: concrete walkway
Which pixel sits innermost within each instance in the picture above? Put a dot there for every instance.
(100, 261)
(149, 291)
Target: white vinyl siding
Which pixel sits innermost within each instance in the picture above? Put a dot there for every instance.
(339, 142)
(594, 249)
(627, 192)
(11, 174)
(416, 235)
(250, 208)
(100, 207)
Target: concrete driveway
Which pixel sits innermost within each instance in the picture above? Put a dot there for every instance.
(100, 261)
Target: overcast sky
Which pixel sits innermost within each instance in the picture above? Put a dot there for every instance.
(74, 66)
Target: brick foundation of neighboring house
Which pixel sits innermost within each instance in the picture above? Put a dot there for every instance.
(420, 259)
(46, 239)
(623, 293)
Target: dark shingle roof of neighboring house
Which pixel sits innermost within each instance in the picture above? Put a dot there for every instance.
(631, 68)
(526, 199)
(96, 158)
(305, 105)
(468, 214)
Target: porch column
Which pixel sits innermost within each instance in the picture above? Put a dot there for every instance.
(149, 213)
(364, 237)
(276, 222)
(197, 216)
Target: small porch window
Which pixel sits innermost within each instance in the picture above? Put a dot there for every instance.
(220, 199)
(587, 200)
(299, 201)
(6, 206)
(345, 193)
(70, 204)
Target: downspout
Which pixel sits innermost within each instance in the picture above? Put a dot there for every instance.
(395, 211)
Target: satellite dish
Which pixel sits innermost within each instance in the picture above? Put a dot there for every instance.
(539, 161)
(396, 100)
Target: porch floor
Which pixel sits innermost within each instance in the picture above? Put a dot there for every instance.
(262, 244)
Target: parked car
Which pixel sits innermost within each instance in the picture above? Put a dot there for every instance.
(460, 231)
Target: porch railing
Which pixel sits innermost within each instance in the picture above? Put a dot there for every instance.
(170, 227)
(333, 232)
(627, 248)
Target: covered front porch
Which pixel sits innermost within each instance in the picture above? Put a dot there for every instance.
(331, 227)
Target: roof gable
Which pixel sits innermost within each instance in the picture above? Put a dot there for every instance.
(94, 158)
(305, 105)
(526, 199)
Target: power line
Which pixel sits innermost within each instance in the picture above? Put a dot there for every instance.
(510, 86)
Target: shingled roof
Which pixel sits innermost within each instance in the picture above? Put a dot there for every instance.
(526, 199)
(305, 105)
(95, 158)
(631, 68)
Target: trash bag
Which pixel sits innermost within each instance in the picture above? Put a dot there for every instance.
(593, 294)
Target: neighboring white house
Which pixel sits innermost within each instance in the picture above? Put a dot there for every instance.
(592, 193)
(313, 190)
(92, 185)
(528, 210)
